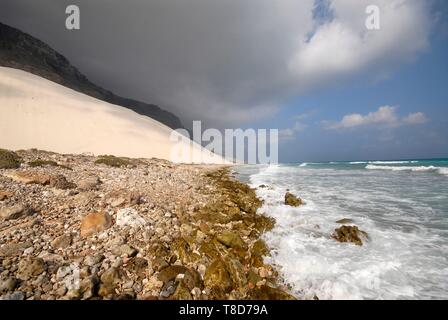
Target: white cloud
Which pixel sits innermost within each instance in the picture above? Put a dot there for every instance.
(290, 133)
(385, 116)
(415, 118)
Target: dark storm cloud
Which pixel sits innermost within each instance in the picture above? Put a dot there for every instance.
(226, 62)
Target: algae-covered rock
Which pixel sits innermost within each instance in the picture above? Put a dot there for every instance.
(349, 234)
(217, 276)
(269, 293)
(292, 200)
(259, 248)
(231, 239)
(345, 221)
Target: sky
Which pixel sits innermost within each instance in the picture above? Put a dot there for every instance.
(310, 68)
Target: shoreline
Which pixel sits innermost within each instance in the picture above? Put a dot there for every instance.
(85, 227)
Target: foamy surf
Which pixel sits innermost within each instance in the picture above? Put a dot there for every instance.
(443, 171)
(404, 215)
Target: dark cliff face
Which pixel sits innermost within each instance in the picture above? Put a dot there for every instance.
(21, 51)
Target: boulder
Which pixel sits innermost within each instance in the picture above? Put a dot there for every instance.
(217, 276)
(88, 184)
(109, 280)
(60, 182)
(30, 267)
(345, 221)
(292, 200)
(15, 212)
(62, 241)
(265, 292)
(349, 234)
(129, 217)
(94, 223)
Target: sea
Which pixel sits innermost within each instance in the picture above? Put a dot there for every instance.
(402, 205)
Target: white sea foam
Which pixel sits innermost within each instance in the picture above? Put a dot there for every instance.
(440, 170)
(406, 257)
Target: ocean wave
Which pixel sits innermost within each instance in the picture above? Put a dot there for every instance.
(443, 171)
(393, 162)
(303, 164)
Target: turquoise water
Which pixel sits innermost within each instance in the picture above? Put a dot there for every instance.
(402, 205)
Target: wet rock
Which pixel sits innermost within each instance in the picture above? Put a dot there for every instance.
(62, 242)
(94, 223)
(259, 248)
(30, 267)
(265, 292)
(88, 184)
(345, 221)
(129, 217)
(171, 272)
(292, 200)
(217, 276)
(231, 239)
(349, 234)
(29, 177)
(15, 211)
(60, 182)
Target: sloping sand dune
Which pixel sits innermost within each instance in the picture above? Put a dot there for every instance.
(37, 113)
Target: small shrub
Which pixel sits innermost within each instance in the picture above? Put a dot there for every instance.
(9, 159)
(112, 161)
(41, 163)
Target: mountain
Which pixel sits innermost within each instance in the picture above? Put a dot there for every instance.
(21, 51)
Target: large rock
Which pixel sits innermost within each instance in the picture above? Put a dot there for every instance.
(269, 293)
(62, 241)
(217, 276)
(231, 239)
(349, 234)
(12, 249)
(129, 217)
(60, 182)
(30, 267)
(29, 177)
(88, 184)
(123, 197)
(94, 223)
(15, 212)
(292, 200)
(109, 280)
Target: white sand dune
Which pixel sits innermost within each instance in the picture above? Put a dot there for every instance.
(37, 113)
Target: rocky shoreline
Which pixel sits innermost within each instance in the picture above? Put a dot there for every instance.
(85, 227)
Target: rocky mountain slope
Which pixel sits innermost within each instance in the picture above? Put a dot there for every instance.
(21, 51)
